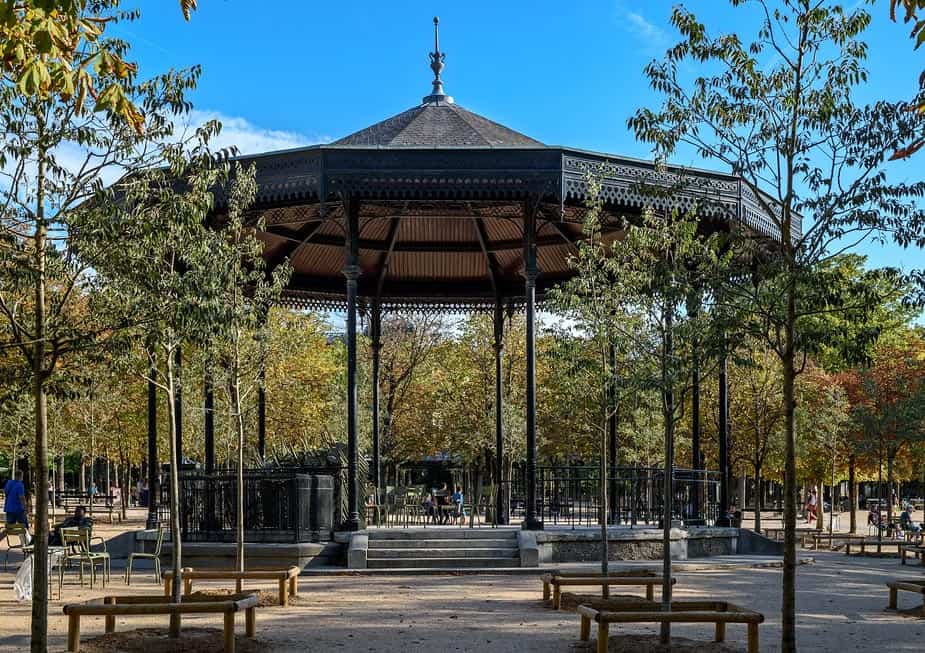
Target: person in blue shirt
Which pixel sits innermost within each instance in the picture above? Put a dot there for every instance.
(458, 502)
(15, 504)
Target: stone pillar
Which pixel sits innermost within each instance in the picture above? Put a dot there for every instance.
(531, 521)
(351, 272)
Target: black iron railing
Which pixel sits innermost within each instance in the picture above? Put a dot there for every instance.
(571, 495)
(279, 506)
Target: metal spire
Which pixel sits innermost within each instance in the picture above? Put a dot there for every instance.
(437, 60)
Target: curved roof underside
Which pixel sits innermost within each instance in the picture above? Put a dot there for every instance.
(442, 196)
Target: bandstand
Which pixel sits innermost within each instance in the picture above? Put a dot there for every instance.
(440, 209)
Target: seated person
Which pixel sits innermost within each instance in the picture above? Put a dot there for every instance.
(906, 523)
(429, 504)
(78, 520)
(873, 518)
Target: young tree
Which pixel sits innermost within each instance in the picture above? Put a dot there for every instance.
(633, 295)
(243, 294)
(781, 113)
(166, 276)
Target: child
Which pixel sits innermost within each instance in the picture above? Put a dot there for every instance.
(458, 502)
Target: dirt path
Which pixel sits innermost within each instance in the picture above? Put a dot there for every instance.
(841, 604)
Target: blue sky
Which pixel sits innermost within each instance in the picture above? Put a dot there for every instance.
(292, 73)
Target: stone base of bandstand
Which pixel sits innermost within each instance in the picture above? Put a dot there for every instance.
(639, 543)
(568, 545)
(257, 555)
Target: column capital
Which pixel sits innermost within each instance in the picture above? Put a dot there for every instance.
(352, 272)
(530, 274)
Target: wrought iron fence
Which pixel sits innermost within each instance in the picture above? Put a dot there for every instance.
(279, 506)
(571, 495)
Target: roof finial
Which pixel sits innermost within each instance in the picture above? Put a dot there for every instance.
(437, 60)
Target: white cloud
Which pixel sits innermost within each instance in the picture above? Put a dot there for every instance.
(652, 37)
(248, 137)
(645, 30)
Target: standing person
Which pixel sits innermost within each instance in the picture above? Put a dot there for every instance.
(458, 502)
(811, 507)
(92, 492)
(15, 504)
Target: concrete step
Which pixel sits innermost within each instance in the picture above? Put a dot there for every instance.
(442, 534)
(442, 543)
(436, 554)
(440, 563)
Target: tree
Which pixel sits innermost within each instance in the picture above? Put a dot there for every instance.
(243, 294)
(58, 152)
(756, 411)
(917, 34)
(633, 295)
(780, 113)
(166, 276)
(890, 406)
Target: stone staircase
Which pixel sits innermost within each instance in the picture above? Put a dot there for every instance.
(442, 548)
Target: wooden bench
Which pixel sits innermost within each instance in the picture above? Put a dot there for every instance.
(118, 606)
(872, 541)
(843, 538)
(916, 549)
(716, 612)
(556, 582)
(914, 585)
(284, 577)
(777, 533)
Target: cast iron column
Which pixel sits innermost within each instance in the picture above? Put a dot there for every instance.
(262, 414)
(695, 441)
(375, 333)
(501, 516)
(531, 522)
(723, 519)
(152, 451)
(209, 410)
(352, 273)
(178, 402)
(612, 435)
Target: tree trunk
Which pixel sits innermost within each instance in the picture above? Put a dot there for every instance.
(758, 498)
(788, 603)
(39, 635)
(177, 545)
(602, 488)
(852, 495)
(668, 417)
(239, 498)
(890, 456)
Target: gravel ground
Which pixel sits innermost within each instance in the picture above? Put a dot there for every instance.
(841, 605)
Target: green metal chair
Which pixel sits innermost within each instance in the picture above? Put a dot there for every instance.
(153, 557)
(20, 532)
(79, 543)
